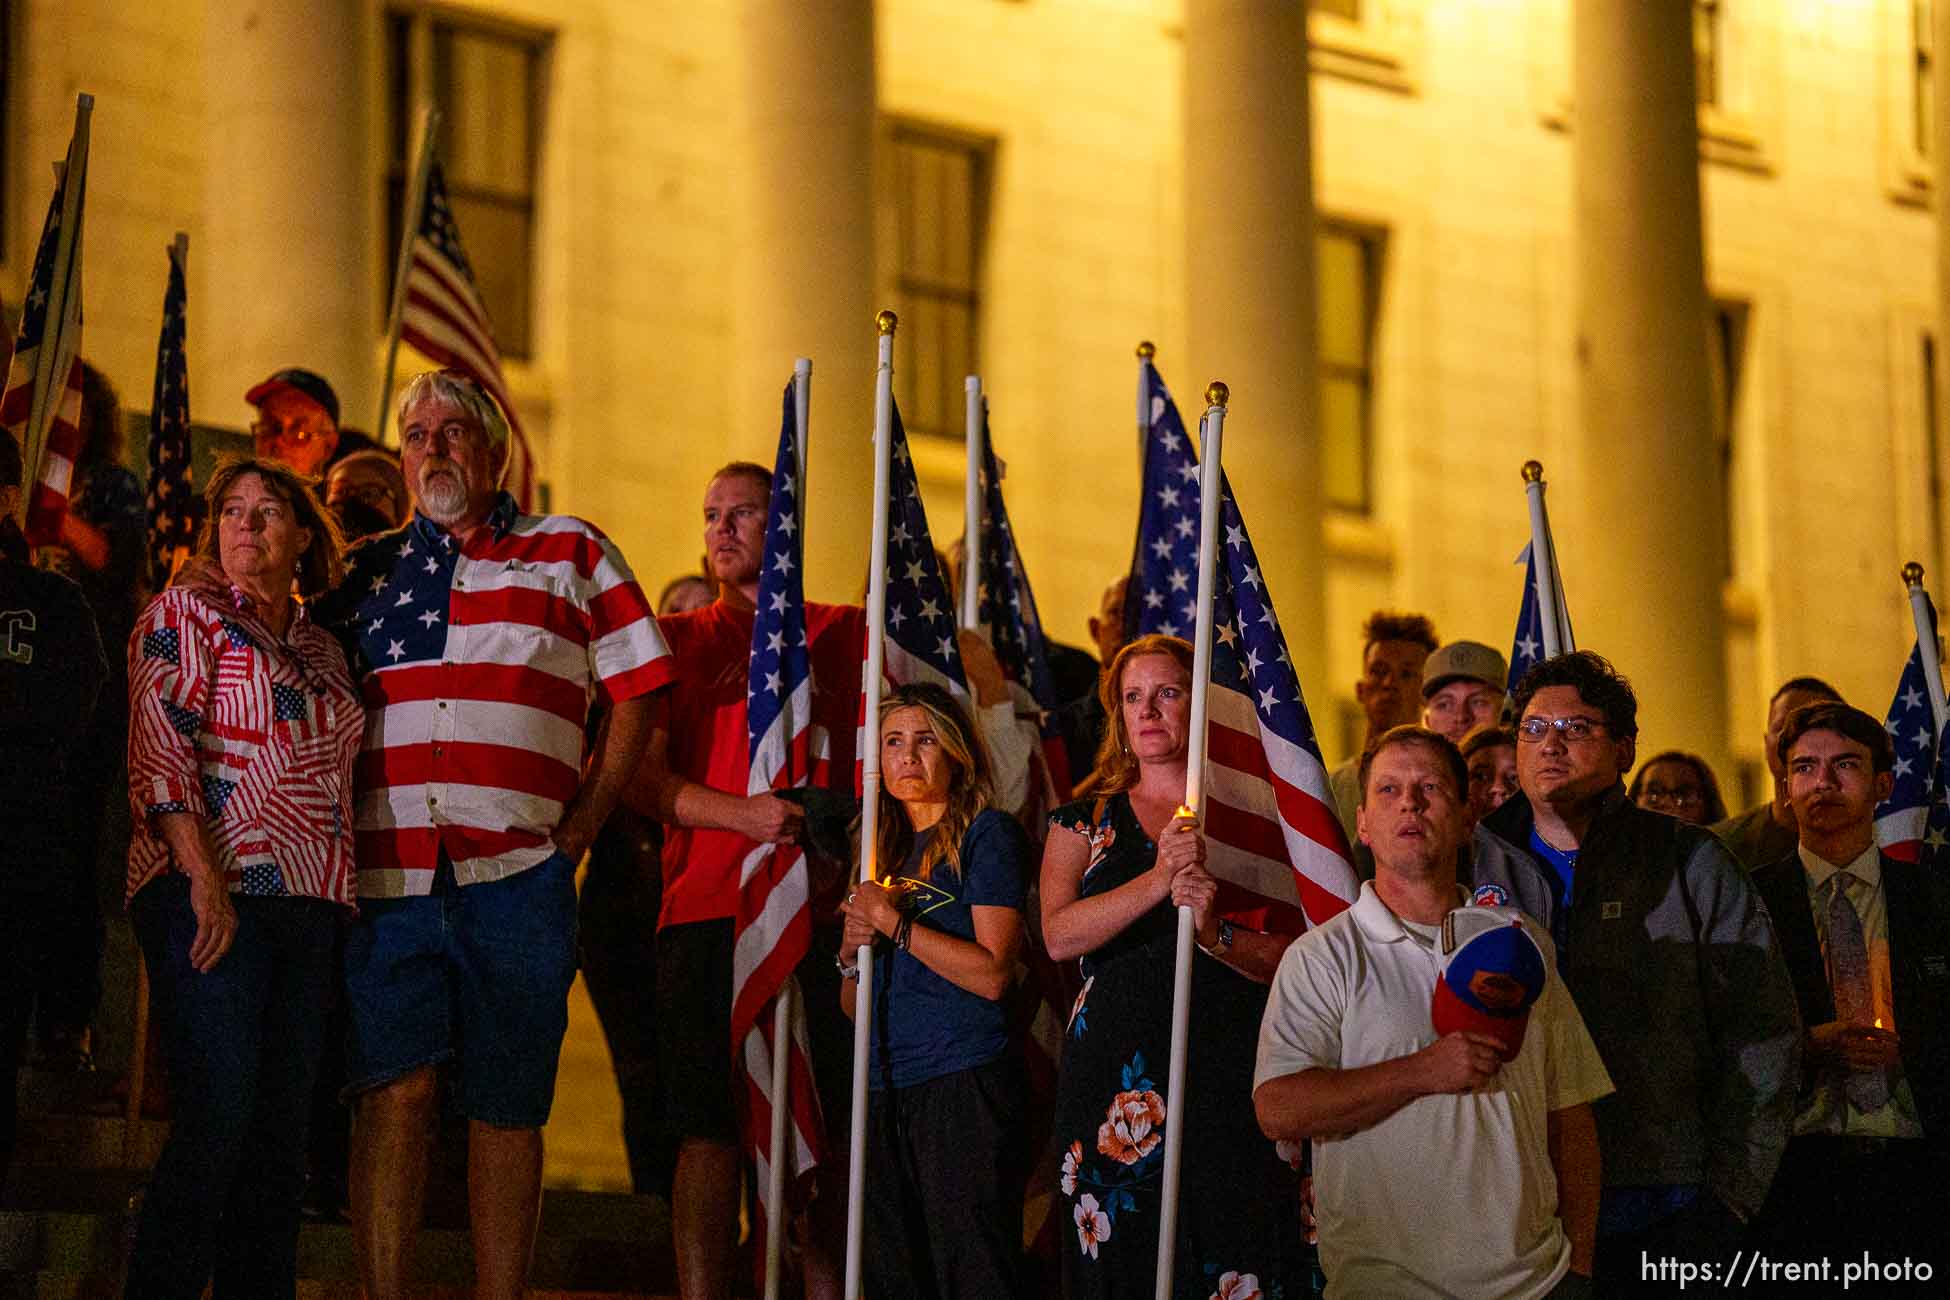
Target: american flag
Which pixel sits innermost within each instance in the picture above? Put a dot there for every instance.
(1905, 817)
(774, 919)
(1936, 827)
(1269, 820)
(41, 405)
(1006, 609)
(1527, 647)
(444, 318)
(173, 505)
(921, 644)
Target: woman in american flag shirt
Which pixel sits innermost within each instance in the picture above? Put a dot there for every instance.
(244, 724)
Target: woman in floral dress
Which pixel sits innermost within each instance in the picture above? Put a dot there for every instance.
(1115, 869)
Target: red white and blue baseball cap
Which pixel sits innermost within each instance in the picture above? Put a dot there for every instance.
(1492, 973)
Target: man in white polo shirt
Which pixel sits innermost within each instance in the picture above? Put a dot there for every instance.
(1445, 1164)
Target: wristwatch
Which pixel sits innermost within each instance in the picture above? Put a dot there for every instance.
(1223, 944)
(848, 971)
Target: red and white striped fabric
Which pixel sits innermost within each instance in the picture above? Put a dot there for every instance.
(253, 733)
(772, 926)
(1270, 828)
(1272, 838)
(444, 319)
(479, 662)
(47, 355)
(53, 485)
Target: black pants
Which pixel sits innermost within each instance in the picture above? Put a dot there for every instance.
(1705, 1232)
(946, 1164)
(1839, 1197)
(71, 981)
(242, 1040)
(23, 945)
(617, 935)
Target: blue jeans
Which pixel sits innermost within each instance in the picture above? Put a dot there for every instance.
(242, 1042)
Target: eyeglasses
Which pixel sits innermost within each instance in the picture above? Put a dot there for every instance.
(1571, 730)
(1682, 798)
(297, 432)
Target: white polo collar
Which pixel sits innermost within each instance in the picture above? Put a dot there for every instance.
(1378, 921)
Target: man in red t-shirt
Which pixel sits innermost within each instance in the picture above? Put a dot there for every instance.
(699, 753)
(694, 771)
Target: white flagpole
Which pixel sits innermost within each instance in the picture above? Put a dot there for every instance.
(781, 1108)
(1145, 351)
(883, 451)
(50, 368)
(1926, 643)
(1181, 997)
(802, 404)
(409, 225)
(782, 1008)
(1550, 587)
(971, 507)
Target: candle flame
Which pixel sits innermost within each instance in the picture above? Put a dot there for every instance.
(1183, 811)
(1878, 1022)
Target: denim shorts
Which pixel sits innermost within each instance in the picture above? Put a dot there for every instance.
(478, 975)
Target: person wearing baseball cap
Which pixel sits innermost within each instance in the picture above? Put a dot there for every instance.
(1462, 688)
(1429, 1050)
(297, 420)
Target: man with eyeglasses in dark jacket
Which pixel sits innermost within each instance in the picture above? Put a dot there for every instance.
(1669, 953)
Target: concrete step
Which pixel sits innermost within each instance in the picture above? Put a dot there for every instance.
(65, 1090)
(48, 1286)
(65, 1140)
(592, 1243)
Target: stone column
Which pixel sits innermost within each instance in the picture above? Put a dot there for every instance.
(279, 260)
(806, 268)
(1249, 273)
(1940, 168)
(1638, 518)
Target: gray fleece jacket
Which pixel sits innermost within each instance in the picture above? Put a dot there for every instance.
(1671, 958)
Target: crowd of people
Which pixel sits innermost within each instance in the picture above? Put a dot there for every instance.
(378, 717)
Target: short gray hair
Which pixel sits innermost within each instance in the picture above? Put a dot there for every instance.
(463, 391)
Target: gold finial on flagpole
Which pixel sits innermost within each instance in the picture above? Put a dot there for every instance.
(1912, 574)
(1146, 350)
(1533, 471)
(1216, 393)
(885, 322)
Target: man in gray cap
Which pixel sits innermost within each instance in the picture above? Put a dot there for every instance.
(1463, 685)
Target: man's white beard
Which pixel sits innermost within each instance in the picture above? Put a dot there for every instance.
(442, 496)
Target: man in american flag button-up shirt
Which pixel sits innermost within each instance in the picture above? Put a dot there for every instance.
(481, 637)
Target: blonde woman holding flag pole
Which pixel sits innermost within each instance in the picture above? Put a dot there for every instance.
(1170, 1187)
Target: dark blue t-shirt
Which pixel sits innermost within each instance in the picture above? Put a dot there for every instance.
(1562, 862)
(927, 1025)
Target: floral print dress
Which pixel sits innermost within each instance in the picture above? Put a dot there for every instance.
(1238, 1199)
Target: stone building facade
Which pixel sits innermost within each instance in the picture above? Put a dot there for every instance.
(1479, 231)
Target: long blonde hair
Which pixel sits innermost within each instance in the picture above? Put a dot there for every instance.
(1117, 762)
(970, 785)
